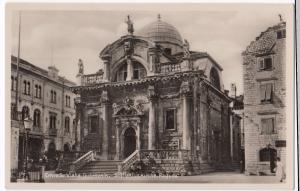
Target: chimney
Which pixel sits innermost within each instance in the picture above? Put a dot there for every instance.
(53, 72)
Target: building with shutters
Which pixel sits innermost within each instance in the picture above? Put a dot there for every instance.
(264, 100)
(155, 98)
(46, 98)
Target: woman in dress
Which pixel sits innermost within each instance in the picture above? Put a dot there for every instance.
(280, 173)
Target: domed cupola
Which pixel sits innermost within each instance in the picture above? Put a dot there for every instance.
(164, 34)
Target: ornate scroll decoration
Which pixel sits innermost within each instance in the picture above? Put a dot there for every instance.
(128, 108)
(104, 97)
(152, 95)
(185, 88)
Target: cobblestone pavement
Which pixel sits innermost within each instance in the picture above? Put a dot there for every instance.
(215, 177)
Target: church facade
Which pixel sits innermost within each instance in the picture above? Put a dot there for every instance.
(155, 98)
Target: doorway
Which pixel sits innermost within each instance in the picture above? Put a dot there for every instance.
(129, 142)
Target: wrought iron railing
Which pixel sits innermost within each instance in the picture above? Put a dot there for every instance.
(52, 132)
(92, 79)
(86, 158)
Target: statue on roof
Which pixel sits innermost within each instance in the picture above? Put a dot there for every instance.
(186, 47)
(80, 66)
(129, 23)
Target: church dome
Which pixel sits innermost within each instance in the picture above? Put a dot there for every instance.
(160, 31)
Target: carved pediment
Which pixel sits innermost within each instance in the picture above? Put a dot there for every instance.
(128, 108)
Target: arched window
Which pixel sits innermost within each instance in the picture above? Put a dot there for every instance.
(67, 124)
(122, 73)
(139, 71)
(40, 92)
(25, 112)
(36, 89)
(28, 88)
(24, 87)
(12, 83)
(214, 78)
(266, 154)
(37, 118)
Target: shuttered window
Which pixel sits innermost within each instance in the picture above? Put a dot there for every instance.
(266, 92)
(267, 126)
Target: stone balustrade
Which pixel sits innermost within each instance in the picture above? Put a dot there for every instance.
(86, 158)
(91, 79)
(165, 154)
(167, 68)
(130, 160)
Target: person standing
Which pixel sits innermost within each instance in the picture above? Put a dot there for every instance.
(280, 172)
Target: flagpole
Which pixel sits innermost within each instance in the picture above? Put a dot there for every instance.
(18, 65)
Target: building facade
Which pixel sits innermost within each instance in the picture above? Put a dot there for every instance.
(157, 98)
(46, 98)
(264, 109)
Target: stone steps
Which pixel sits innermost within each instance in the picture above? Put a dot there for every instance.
(99, 167)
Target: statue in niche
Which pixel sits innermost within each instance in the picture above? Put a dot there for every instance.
(80, 66)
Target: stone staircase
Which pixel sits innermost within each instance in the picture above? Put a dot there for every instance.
(108, 167)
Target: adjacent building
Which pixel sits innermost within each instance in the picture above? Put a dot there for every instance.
(46, 98)
(155, 98)
(264, 62)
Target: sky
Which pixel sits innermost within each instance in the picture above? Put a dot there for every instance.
(60, 38)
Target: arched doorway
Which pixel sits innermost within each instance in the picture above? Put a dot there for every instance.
(129, 142)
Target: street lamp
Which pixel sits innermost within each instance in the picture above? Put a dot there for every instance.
(28, 127)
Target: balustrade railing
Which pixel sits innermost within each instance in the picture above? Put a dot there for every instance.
(167, 68)
(86, 158)
(92, 79)
(129, 161)
(165, 154)
(52, 132)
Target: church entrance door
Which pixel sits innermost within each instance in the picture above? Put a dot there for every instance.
(129, 142)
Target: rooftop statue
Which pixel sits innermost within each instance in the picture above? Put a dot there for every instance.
(130, 28)
(80, 66)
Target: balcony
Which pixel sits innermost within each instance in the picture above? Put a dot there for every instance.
(91, 79)
(167, 68)
(52, 132)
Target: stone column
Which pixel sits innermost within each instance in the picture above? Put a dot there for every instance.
(152, 127)
(105, 138)
(117, 139)
(138, 135)
(129, 69)
(106, 67)
(186, 135)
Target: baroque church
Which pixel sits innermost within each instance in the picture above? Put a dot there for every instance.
(154, 98)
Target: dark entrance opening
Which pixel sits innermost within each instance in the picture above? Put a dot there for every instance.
(66, 148)
(51, 155)
(129, 142)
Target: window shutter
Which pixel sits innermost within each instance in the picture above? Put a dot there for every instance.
(268, 63)
(262, 92)
(261, 64)
(263, 126)
(269, 92)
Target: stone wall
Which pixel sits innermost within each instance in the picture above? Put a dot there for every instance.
(266, 44)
